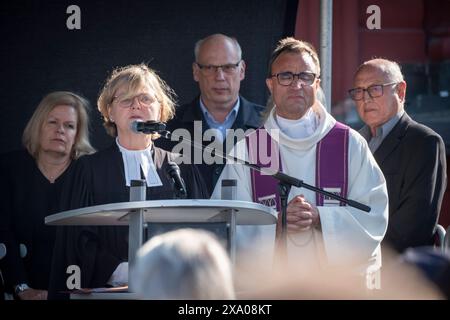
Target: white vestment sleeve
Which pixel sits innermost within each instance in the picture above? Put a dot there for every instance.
(352, 236)
(256, 241)
(348, 235)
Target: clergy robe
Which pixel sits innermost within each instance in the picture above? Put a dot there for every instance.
(346, 236)
(100, 179)
(27, 197)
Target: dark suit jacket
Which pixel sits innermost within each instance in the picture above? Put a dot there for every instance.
(248, 117)
(412, 158)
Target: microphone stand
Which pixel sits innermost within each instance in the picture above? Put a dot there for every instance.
(284, 185)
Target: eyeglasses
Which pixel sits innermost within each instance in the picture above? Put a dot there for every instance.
(374, 91)
(210, 69)
(144, 99)
(287, 78)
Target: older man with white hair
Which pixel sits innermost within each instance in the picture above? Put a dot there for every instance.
(411, 155)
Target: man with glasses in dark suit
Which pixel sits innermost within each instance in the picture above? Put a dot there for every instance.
(218, 69)
(411, 155)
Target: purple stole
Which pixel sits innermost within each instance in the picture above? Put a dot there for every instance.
(331, 166)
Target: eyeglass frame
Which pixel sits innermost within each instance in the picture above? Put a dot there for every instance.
(293, 78)
(368, 88)
(132, 99)
(216, 68)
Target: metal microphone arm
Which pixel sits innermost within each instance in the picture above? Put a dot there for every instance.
(282, 177)
(284, 187)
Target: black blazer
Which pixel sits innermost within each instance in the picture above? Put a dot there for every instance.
(99, 179)
(249, 117)
(413, 160)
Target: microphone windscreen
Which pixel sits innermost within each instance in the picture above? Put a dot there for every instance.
(135, 126)
(173, 172)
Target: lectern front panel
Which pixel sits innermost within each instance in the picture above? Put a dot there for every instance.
(219, 229)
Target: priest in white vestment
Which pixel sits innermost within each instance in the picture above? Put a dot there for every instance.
(318, 236)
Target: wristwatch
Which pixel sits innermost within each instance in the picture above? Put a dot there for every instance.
(20, 288)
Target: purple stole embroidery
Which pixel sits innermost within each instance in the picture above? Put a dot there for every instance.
(331, 166)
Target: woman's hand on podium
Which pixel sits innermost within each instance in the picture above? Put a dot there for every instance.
(33, 294)
(120, 275)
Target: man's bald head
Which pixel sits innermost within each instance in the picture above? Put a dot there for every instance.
(379, 92)
(214, 39)
(389, 68)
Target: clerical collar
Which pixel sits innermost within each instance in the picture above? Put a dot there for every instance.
(138, 163)
(300, 128)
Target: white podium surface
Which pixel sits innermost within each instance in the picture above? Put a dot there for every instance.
(201, 210)
(231, 212)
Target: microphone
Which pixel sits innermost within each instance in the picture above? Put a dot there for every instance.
(147, 127)
(23, 250)
(2, 251)
(173, 172)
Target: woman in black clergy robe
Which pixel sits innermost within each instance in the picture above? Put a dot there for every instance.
(55, 136)
(132, 93)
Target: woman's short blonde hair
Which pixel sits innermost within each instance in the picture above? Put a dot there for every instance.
(32, 132)
(135, 76)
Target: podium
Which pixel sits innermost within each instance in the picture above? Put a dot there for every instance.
(136, 213)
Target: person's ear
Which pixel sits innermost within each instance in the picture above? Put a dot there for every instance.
(195, 71)
(109, 112)
(269, 83)
(317, 83)
(109, 108)
(401, 90)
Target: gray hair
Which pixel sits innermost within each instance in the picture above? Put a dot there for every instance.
(233, 40)
(183, 264)
(388, 67)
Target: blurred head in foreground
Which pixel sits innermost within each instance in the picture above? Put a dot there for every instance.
(183, 264)
(400, 280)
